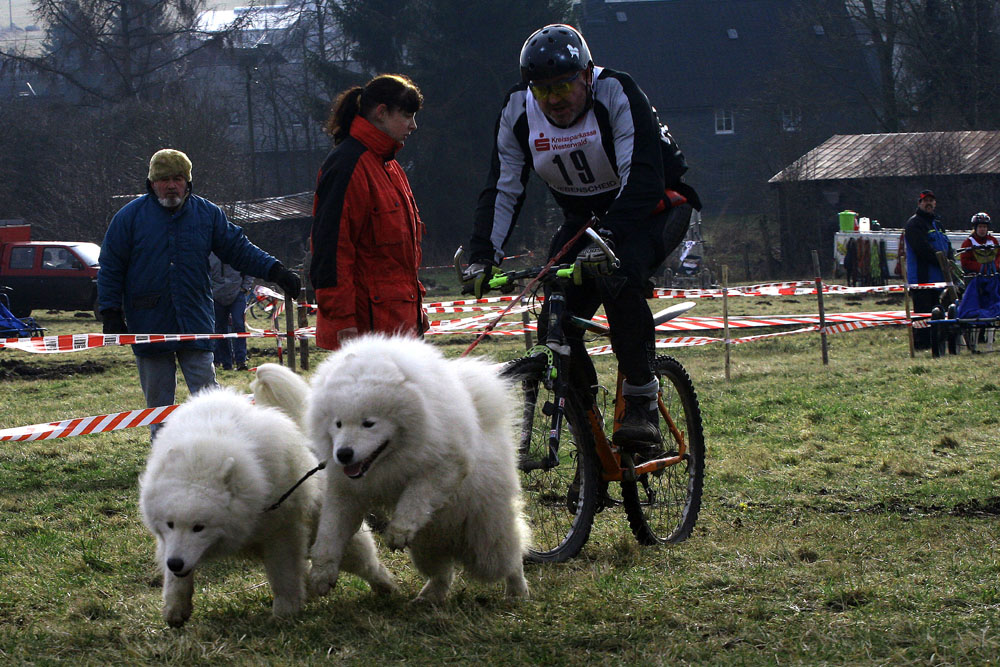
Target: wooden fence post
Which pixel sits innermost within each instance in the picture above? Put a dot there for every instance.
(290, 328)
(725, 313)
(906, 304)
(822, 311)
(304, 343)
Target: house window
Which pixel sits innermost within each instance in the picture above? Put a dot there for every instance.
(724, 121)
(791, 119)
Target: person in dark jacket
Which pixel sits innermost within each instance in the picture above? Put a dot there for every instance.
(154, 276)
(366, 232)
(229, 292)
(591, 134)
(924, 239)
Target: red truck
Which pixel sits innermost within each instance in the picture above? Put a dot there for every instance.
(46, 275)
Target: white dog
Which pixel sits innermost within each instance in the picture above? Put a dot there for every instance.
(215, 467)
(429, 440)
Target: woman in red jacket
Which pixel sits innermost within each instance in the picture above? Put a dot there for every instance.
(366, 227)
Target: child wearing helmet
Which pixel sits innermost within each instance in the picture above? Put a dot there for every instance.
(979, 252)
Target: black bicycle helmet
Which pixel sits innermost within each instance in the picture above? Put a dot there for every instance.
(552, 51)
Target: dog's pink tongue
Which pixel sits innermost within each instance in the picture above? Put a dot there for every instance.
(353, 470)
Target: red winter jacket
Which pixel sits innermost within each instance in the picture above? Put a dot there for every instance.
(971, 258)
(365, 240)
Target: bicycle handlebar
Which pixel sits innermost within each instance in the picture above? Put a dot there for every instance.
(564, 271)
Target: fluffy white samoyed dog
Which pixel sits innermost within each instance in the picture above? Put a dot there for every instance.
(214, 469)
(429, 441)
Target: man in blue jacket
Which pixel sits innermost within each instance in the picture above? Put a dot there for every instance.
(154, 276)
(924, 239)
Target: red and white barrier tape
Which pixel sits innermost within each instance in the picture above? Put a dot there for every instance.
(85, 425)
(690, 341)
(77, 342)
(134, 418)
(798, 288)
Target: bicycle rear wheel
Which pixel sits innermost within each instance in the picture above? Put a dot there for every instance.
(663, 506)
(560, 492)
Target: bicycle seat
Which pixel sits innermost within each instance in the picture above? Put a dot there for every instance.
(672, 312)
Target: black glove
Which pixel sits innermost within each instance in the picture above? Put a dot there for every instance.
(476, 278)
(113, 321)
(593, 259)
(288, 281)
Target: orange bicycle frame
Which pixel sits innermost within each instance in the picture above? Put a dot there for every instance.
(610, 455)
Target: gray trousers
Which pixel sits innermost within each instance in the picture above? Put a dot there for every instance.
(158, 376)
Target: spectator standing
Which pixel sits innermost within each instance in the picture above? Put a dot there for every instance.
(590, 133)
(154, 276)
(365, 239)
(229, 292)
(924, 238)
(979, 251)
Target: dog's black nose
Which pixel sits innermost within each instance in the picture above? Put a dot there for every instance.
(345, 455)
(175, 564)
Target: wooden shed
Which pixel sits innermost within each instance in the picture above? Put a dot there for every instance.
(880, 176)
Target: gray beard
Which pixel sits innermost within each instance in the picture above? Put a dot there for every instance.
(170, 202)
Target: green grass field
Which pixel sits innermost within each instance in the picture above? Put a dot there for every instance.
(849, 517)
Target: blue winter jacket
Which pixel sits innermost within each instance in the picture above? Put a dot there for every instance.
(154, 266)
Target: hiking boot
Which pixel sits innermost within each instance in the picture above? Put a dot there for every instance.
(639, 432)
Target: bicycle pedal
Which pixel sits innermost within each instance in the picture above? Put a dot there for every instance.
(548, 409)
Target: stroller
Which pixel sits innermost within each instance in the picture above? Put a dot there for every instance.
(975, 316)
(12, 327)
(685, 267)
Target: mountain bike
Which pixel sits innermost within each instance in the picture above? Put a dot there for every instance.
(569, 465)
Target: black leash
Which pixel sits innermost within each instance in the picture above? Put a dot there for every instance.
(289, 492)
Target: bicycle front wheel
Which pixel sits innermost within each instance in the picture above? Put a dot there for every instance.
(663, 506)
(559, 488)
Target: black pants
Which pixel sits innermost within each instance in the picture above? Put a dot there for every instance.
(924, 301)
(623, 294)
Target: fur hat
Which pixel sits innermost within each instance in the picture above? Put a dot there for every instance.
(168, 162)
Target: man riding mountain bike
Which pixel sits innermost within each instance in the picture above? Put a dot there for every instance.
(591, 134)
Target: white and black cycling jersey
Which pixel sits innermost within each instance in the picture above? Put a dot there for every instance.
(608, 163)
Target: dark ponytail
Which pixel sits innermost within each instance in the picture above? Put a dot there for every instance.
(396, 91)
(342, 114)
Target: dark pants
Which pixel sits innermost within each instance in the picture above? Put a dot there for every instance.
(623, 294)
(229, 318)
(924, 301)
(158, 376)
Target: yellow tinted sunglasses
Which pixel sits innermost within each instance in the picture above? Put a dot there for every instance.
(560, 88)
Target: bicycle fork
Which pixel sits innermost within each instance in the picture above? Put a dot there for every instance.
(558, 352)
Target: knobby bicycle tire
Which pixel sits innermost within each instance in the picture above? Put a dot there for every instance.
(663, 506)
(559, 500)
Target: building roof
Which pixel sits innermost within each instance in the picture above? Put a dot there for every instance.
(270, 209)
(853, 156)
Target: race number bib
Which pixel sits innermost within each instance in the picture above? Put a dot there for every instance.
(571, 160)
